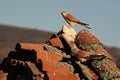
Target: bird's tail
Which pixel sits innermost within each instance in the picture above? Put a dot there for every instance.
(87, 27)
(84, 24)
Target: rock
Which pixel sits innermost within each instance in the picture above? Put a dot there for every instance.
(67, 55)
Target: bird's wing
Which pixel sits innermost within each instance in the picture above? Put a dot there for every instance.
(83, 23)
(71, 18)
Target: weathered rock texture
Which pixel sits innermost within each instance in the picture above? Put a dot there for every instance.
(67, 55)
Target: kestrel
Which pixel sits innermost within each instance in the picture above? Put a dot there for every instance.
(72, 21)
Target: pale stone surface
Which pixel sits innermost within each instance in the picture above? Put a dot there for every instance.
(70, 32)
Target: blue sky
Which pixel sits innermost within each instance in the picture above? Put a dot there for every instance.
(103, 16)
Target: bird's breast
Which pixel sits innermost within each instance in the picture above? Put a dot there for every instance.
(71, 23)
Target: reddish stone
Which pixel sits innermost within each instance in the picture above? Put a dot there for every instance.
(29, 46)
(40, 52)
(81, 54)
(88, 42)
(62, 76)
(45, 55)
(56, 42)
(59, 67)
(84, 38)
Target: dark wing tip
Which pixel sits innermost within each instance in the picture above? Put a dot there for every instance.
(87, 27)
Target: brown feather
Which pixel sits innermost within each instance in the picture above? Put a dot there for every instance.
(71, 18)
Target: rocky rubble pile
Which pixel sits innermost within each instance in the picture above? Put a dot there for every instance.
(67, 55)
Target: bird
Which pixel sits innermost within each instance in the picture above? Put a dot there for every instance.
(72, 21)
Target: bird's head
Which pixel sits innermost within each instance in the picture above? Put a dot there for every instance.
(63, 12)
